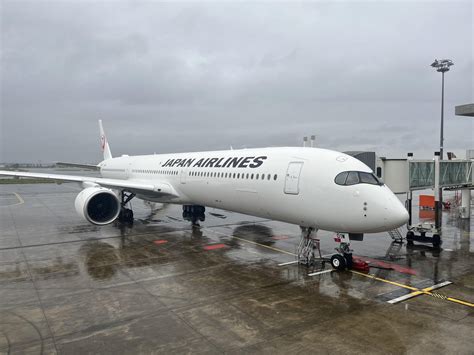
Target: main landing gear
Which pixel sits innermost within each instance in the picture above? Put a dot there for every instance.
(309, 252)
(126, 214)
(194, 214)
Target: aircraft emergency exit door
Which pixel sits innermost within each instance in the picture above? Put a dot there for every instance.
(292, 178)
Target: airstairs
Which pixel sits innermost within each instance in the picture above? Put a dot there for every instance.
(307, 249)
(396, 235)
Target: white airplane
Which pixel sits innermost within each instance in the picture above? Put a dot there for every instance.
(310, 187)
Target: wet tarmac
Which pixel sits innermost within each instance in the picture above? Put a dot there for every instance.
(162, 286)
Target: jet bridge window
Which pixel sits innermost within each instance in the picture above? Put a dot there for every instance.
(356, 177)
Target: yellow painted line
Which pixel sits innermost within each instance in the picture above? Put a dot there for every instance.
(417, 292)
(255, 243)
(384, 280)
(455, 300)
(19, 198)
(264, 246)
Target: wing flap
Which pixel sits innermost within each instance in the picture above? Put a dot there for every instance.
(77, 165)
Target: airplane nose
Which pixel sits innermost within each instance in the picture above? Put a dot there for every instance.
(401, 215)
(396, 216)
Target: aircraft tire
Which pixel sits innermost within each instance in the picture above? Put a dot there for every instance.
(338, 262)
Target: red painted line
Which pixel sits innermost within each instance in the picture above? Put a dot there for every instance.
(160, 241)
(214, 246)
(396, 267)
(280, 237)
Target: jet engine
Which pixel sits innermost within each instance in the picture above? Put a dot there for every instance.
(97, 205)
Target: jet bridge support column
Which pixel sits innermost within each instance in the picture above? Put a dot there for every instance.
(409, 195)
(437, 194)
(465, 211)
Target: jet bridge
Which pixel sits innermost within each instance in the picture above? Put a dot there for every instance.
(452, 174)
(408, 175)
(403, 176)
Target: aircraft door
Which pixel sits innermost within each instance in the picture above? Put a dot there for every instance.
(292, 178)
(183, 176)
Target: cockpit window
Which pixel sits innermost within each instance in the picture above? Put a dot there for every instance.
(368, 178)
(356, 177)
(341, 178)
(352, 178)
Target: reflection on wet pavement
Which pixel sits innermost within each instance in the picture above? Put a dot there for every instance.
(164, 286)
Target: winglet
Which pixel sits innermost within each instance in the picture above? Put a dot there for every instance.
(103, 142)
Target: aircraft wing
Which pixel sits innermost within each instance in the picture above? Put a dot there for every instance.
(160, 188)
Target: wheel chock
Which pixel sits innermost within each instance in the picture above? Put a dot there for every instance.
(359, 265)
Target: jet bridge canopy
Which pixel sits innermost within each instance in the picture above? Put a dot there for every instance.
(403, 175)
(452, 173)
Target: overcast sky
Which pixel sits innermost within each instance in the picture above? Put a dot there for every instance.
(175, 77)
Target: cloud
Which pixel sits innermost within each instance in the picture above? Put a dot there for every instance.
(199, 76)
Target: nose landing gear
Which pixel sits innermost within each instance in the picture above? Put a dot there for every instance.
(309, 252)
(343, 258)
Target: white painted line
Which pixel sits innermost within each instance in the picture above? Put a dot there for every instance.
(404, 297)
(321, 272)
(288, 263)
(18, 197)
(442, 284)
(417, 293)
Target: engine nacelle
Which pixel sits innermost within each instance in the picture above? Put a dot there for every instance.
(97, 205)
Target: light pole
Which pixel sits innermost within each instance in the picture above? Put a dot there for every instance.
(441, 66)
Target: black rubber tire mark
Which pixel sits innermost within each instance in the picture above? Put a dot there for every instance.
(9, 345)
(34, 327)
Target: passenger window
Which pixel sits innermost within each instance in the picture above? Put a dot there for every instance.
(268, 176)
(275, 177)
(352, 178)
(256, 177)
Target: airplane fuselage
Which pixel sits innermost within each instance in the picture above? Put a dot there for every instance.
(293, 185)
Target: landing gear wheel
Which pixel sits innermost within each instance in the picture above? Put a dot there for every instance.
(338, 262)
(126, 216)
(436, 241)
(348, 259)
(129, 216)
